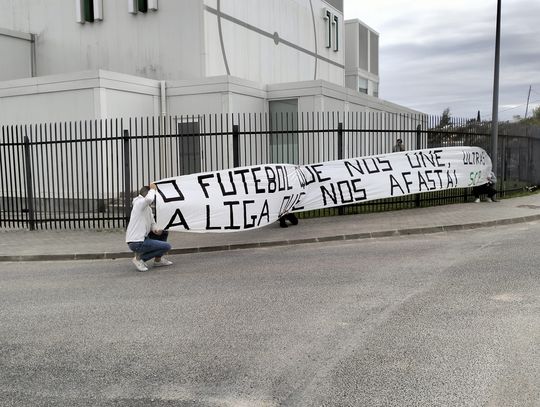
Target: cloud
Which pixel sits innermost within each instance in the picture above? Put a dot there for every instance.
(437, 54)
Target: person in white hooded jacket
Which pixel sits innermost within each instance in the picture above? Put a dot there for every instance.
(142, 235)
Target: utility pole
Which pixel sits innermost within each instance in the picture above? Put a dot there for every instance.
(495, 110)
(528, 98)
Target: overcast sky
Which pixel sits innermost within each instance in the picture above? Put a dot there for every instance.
(436, 54)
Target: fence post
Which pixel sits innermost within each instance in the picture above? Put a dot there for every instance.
(127, 176)
(504, 165)
(340, 141)
(341, 209)
(236, 145)
(418, 147)
(29, 185)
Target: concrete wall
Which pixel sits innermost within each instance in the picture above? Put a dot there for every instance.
(361, 57)
(221, 94)
(259, 40)
(271, 41)
(15, 55)
(153, 44)
(79, 96)
(234, 95)
(102, 94)
(325, 96)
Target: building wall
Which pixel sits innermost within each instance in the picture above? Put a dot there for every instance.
(215, 95)
(16, 52)
(259, 40)
(324, 96)
(212, 56)
(101, 94)
(80, 96)
(361, 58)
(75, 104)
(272, 41)
(152, 45)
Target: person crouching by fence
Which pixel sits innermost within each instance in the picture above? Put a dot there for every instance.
(488, 189)
(398, 147)
(142, 235)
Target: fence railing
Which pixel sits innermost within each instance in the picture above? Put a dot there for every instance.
(85, 174)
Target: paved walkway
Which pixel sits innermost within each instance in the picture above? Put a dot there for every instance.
(108, 244)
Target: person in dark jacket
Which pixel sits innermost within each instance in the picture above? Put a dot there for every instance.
(291, 217)
(488, 189)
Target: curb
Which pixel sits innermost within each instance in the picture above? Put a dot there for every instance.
(242, 246)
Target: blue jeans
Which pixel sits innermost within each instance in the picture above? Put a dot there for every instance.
(153, 246)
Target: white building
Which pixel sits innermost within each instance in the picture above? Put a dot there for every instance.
(67, 60)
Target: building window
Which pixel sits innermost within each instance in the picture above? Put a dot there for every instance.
(327, 15)
(362, 85)
(373, 53)
(331, 23)
(134, 6)
(143, 6)
(375, 89)
(88, 10)
(335, 24)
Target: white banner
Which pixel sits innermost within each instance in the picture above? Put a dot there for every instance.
(250, 197)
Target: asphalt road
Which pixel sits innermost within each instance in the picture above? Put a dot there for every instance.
(448, 319)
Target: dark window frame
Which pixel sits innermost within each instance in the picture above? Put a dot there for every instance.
(142, 6)
(88, 11)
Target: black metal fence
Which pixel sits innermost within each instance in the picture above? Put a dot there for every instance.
(84, 174)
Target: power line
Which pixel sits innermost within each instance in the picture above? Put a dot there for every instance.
(515, 107)
(511, 108)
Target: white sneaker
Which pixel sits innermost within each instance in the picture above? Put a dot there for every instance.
(162, 262)
(489, 200)
(477, 200)
(141, 265)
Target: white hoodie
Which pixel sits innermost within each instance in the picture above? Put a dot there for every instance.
(142, 220)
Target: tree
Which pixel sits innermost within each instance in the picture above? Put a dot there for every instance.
(536, 113)
(446, 118)
(534, 119)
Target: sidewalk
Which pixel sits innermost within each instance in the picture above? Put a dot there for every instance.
(109, 244)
